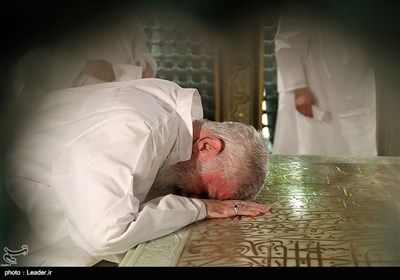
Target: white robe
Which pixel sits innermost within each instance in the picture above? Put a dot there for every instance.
(58, 65)
(83, 166)
(314, 53)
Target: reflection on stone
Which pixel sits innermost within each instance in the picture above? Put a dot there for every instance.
(324, 212)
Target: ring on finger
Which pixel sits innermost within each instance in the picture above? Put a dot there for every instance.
(236, 208)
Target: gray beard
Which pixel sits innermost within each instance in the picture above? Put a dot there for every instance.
(175, 179)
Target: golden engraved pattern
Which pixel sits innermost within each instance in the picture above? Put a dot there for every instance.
(239, 87)
(158, 252)
(324, 212)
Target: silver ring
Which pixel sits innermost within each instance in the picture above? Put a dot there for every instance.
(237, 207)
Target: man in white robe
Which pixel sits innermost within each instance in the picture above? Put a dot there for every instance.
(113, 50)
(83, 166)
(326, 89)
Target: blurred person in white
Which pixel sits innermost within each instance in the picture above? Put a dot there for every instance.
(113, 50)
(326, 88)
(101, 168)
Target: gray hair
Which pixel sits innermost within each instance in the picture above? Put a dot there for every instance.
(244, 158)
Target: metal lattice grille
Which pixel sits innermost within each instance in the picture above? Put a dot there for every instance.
(183, 56)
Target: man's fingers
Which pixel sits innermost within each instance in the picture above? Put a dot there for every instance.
(249, 209)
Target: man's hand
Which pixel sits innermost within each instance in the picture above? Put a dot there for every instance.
(148, 72)
(226, 208)
(99, 69)
(303, 101)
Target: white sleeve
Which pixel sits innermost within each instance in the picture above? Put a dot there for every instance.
(100, 179)
(291, 43)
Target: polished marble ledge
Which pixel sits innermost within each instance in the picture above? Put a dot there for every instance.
(325, 211)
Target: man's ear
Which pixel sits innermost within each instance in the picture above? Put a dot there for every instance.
(208, 148)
